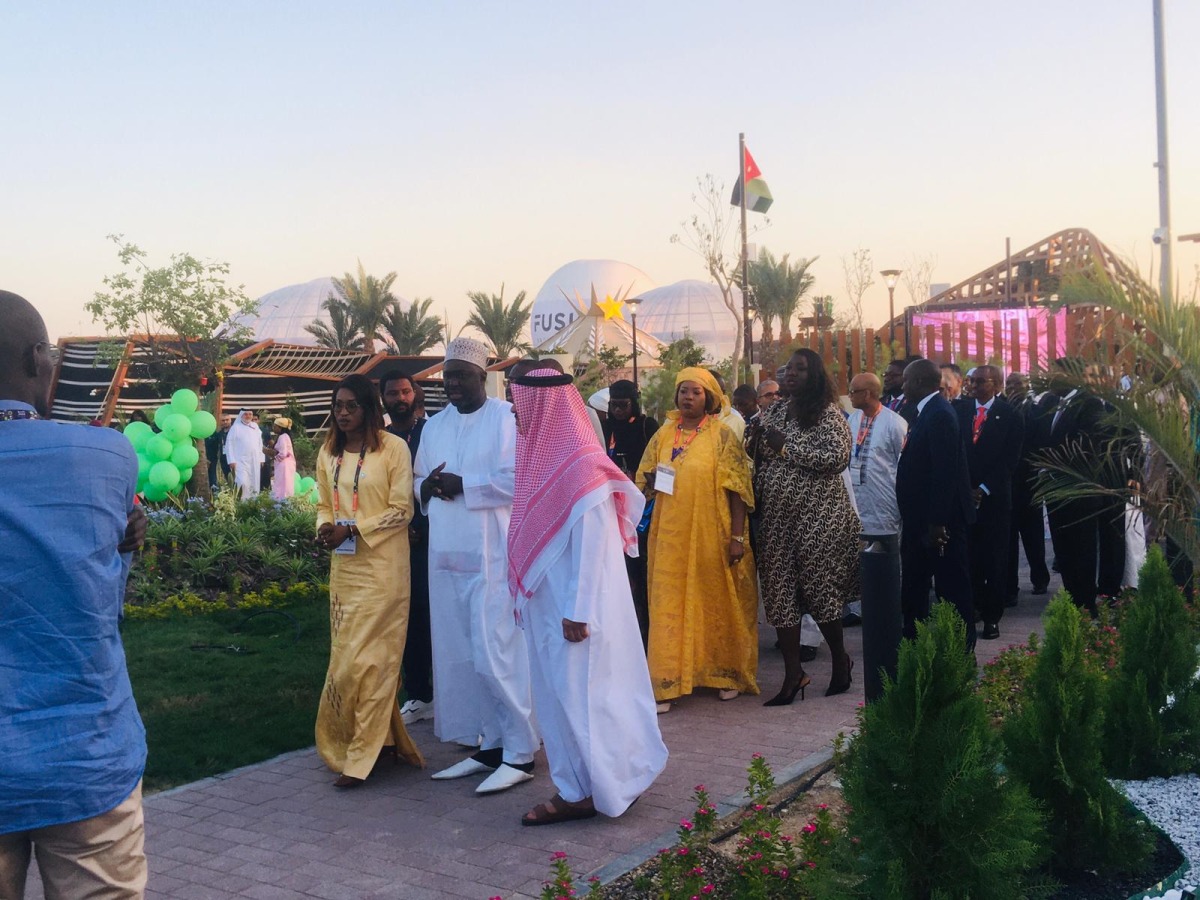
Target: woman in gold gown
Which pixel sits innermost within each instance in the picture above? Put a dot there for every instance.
(364, 479)
(703, 595)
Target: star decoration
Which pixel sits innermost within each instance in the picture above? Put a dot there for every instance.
(612, 308)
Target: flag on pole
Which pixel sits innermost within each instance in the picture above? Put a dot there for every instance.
(758, 195)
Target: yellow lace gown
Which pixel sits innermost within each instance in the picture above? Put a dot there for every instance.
(703, 611)
(368, 611)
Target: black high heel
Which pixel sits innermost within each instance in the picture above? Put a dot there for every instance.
(835, 689)
(785, 697)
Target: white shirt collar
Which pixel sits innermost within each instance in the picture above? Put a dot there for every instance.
(925, 400)
(988, 405)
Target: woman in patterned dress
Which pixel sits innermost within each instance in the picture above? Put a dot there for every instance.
(808, 537)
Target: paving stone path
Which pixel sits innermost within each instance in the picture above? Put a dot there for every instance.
(278, 830)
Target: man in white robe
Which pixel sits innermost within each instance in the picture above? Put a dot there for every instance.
(575, 516)
(463, 477)
(244, 452)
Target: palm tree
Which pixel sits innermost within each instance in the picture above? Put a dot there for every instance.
(342, 332)
(779, 286)
(414, 331)
(501, 324)
(369, 299)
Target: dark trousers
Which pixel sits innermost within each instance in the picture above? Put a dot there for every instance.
(636, 569)
(1075, 529)
(989, 559)
(949, 573)
(417, 665)
(1026, 529)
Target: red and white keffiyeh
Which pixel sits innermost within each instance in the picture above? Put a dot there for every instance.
(562, 471)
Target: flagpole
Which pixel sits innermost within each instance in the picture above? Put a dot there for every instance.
(747, 347)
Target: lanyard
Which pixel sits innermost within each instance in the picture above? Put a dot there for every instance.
(337, 472)
(864, 432)
(677, 450)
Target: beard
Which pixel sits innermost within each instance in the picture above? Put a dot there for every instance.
(399, 410)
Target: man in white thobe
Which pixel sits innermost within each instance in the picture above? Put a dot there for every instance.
(463, 476)
(575, 516)
(878, 435)
(244, 452)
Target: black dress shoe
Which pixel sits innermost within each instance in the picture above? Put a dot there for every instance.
(1040, 590)
(807, 653)
(849, 620)
(1010, 601)
(990, 632)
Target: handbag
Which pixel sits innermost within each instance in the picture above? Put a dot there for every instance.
(644, 525)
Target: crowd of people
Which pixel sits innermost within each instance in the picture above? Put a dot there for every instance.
(584, 575)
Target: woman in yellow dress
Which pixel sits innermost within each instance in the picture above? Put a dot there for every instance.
(364, 478)
(703, 594)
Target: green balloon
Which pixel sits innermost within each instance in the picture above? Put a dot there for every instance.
(144, 465)
(158, 448)
(306, 484)
(203, 424)
(296, 484)
(164, 475)
(314, 496)
(184, 456)
(184, 401)
(185, 475)
(138, 433)
(154, 495)
(160, 415)
(177, 427)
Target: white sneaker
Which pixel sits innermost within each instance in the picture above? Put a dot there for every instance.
(416, 711)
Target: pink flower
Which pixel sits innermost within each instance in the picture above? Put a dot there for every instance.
(766, 870)
(699, 788)
(823, 806)
(809, 828)
(558, 854)
(707, 889)
(811, 864)
(758, 807)
(756, 756)
(686, 825)
(683, 851)
(783, 873)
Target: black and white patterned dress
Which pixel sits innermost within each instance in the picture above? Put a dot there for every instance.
(808, 532)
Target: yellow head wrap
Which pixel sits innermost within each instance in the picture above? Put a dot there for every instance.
(704, 378)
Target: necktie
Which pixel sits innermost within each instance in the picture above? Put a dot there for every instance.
(980, 416)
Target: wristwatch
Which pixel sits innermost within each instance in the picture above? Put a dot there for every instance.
(740, 538)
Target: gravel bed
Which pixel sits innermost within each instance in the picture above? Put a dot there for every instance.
(1173, 804)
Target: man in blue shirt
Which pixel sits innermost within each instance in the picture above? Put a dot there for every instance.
(72, 746)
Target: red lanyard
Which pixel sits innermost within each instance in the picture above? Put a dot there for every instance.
(676, 449)
(864, 432)
(337, 473)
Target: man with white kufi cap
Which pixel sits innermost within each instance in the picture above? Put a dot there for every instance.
(463, 476)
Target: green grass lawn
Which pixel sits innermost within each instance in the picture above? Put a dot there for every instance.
(211, 710)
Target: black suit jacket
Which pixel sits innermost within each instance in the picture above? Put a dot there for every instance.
(932, 486)
(993, 458)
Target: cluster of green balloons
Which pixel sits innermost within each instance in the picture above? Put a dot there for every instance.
(305, 487)
(166, 458)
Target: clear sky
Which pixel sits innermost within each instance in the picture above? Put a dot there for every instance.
(465, 144)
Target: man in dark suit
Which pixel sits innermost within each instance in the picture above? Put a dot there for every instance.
(934, 496)
(992, 433)
(1077, 433)
(1027, 526)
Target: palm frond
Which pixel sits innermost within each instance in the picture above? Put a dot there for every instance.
(413, 331)
(503, 324)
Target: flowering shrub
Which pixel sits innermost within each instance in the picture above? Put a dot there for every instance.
(272, 596)
(1002, 684)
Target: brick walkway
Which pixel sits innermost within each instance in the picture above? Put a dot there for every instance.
(280, 830)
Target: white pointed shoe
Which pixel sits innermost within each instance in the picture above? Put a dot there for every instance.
(462, 769)
(502, 779)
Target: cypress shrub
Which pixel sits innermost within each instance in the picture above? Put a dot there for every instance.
(1054, 746)
(1153, 720)
(935, 815)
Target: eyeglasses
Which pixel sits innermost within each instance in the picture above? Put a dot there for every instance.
(769, 394)
(854, 391)
(52, 350)
(346, 405)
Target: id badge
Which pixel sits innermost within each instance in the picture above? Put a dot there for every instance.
(664, 479)
(349, 546)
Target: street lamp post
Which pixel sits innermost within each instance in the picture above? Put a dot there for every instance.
(890, 276)
(751, 315)
(633, 302)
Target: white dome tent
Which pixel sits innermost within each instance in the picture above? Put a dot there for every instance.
(566, 294)
(283, 313)
(692, 308)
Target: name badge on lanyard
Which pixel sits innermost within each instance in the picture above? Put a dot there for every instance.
(664, 479)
